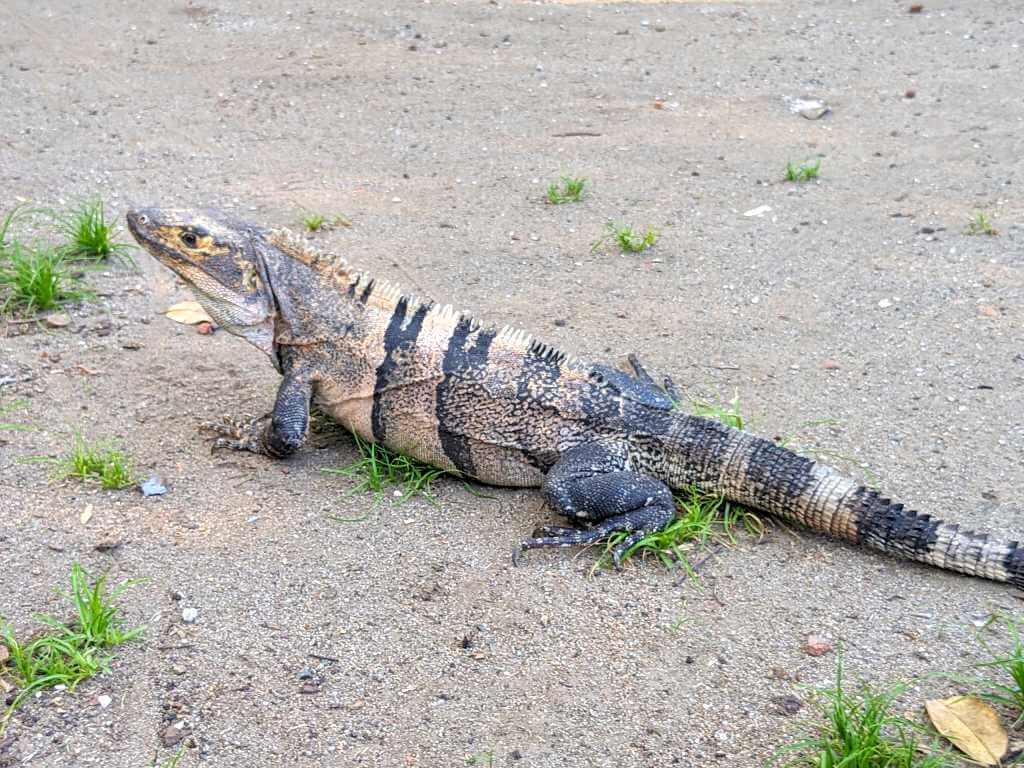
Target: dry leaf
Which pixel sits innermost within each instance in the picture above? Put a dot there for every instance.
(86, 515)
(972, 725)
(188, 313)
(4, 654)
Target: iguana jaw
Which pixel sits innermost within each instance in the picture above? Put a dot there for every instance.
(220, 264)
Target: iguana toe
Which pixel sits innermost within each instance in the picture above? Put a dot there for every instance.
(237, 435)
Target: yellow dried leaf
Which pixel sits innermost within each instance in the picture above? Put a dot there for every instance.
(188, 313)
(972, 725)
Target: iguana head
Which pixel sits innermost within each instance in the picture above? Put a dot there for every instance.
(217, 257)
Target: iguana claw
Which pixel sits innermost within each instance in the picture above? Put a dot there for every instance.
(236, 434)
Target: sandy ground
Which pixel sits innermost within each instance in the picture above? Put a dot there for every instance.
(435, 127)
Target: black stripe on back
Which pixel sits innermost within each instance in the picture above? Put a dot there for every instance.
(365, 295)
(462, 367)
(537, 391)
(395, 337)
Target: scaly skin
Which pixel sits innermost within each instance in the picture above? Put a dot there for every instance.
(606, 446)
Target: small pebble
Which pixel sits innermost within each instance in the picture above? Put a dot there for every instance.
(189, 615)
(816, 645)
(103, 701)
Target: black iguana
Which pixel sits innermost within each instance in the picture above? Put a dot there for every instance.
(605, 445)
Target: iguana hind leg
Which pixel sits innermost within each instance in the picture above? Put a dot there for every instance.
(592, 483)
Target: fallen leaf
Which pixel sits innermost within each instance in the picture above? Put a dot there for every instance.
(4, 654)
(58, 320)
(972, 725)
(188, 313)
(86, 515)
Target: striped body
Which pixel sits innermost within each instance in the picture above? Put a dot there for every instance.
(498, 406)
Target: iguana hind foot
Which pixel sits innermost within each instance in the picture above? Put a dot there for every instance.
(591, 482)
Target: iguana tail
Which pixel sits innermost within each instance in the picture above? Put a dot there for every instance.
(767, 477)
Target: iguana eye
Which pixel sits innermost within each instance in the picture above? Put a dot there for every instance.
(189, 239)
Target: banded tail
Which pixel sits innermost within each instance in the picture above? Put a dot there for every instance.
(762, 475)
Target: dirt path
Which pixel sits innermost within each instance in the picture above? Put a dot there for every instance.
(435, 128)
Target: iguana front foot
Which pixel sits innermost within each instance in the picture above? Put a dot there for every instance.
(238, 435)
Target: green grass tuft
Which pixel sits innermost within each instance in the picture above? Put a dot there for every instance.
(379, 469)
(13, 426)
(860, 730)
(173, 760)
(318, 222)
(701, 518)
(67, 653)
(628, 239)
(32, 278)
(35, 279)
(92, 462)
(89, 236)
(314, 222)
(803, 172)
(1008, 689)
(567, 190)
(980, 224)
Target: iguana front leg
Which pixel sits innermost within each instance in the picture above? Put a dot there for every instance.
(278, 434)
(592, 483)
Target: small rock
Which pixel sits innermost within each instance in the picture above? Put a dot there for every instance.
(910, 93)
(204, 328)
(108, 543)
(306, 674)
(816, 645)
(152, 487)
(132, 345)
(309, 687)
(758, 212)
(57, 320)
(189, 615)
(814, 113)
(988, 311)
(173, 734)
(830, 365)
(884, 304)
(103, 701)
(788, 705)
(916, 8)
